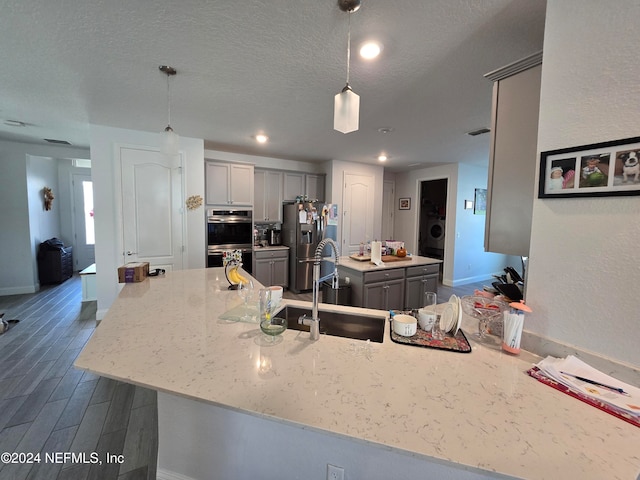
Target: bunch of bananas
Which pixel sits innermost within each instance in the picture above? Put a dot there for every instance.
(235, 277)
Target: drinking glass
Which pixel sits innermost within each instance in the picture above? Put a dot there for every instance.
(430, 298)
(246, 291)
(271, 326)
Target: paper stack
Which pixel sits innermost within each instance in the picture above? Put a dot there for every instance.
(578, 379)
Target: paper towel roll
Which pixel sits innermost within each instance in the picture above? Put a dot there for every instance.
(376, 252)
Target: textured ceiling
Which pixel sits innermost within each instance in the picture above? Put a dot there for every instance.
(264, 65)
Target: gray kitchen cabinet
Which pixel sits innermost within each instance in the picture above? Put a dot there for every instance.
(419, 280)
(271, 267)
(314, 186)
(228, 184)
(385, 295)
(293, 186)
(267, 205)
(513, 156)
(298, 183)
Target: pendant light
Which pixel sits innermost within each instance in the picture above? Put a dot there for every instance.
(346, 104)
(170, 139)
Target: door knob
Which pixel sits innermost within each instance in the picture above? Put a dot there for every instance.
(129, 252)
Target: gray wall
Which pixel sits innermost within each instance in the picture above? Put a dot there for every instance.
(24, 170)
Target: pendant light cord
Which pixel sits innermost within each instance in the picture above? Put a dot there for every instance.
(168, 102)
(348, 47)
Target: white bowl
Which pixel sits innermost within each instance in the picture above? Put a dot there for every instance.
(405, 325)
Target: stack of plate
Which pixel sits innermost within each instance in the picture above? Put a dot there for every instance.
(451, 316)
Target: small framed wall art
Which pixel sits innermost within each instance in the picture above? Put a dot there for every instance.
(405, 204)
(596, 170)
(480, 201)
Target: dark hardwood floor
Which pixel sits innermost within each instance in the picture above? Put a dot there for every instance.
(49, 407)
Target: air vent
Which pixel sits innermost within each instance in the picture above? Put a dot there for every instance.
(57, 142)
(480, 131)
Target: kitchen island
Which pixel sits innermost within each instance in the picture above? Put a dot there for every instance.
(231, 408)
(398, 283)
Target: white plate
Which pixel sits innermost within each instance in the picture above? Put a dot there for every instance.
(459, 319)
(447, 318)
(454, 301)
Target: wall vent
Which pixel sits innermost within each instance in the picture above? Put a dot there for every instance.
(57, 142)
(480, 131)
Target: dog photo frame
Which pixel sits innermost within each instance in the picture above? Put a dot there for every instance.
(596, 170)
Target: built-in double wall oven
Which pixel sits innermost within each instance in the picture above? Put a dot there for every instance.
(229, 230)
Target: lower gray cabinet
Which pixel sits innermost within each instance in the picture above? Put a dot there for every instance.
(387, 295)
(391, 288)
(419, 280)
(271, 267)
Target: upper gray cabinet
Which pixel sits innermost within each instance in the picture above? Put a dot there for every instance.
(309, 184)
(228, 184)
(513, 156)
(267, 196)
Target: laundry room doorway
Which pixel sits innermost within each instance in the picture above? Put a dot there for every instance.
(433, 217)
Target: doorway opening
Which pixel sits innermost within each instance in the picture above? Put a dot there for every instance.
(433, 216)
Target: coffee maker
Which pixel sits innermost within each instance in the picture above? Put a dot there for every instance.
(274, 236)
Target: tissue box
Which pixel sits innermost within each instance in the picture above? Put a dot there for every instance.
(393, 246)
(133, 272)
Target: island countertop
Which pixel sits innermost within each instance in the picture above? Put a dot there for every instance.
(367, 266)
(479, 410)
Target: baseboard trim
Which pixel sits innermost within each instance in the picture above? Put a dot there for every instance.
(17, 290)
(163, 474)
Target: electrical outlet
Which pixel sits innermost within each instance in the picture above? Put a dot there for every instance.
(334, 473)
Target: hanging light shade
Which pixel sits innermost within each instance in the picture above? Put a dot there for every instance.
(346, 110)
(346, 104)
(170, 140)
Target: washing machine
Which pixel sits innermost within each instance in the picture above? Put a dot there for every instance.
(435, 232)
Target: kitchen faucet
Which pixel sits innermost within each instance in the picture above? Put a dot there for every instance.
(314, 321)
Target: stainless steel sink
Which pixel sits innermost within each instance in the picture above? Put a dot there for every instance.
(347, 325)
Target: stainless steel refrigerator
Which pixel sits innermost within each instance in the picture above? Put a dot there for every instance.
(303, 226)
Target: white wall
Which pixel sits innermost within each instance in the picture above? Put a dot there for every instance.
(43, 224)
(108, 220)
(22, 210)
(464, 259)
(472, 263)
(584, 273)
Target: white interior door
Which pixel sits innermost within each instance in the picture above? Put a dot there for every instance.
(358, 211)
(152, 208)
(388, 203)
(83, 231)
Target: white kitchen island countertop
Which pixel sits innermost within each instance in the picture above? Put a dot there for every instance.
(479, 410)
(367, 266)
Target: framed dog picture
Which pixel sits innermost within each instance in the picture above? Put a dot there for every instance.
(597, 170)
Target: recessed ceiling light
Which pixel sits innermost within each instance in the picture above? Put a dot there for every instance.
(385, 130)
(262, 138)
(383, 157)
(370, 50)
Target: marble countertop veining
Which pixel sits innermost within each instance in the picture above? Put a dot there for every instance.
(367, 266)
(479, 410)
